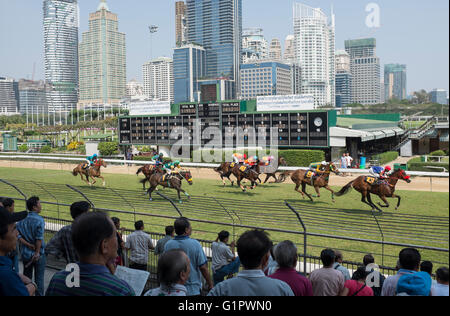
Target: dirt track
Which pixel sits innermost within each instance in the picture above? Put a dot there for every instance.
(418, 183)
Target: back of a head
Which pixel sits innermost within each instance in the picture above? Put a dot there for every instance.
(169, 230)
(223, 235)
(89, 230)
(409, 259)
(360, 274)
(181, 225)
(442, 274)
(79, 208)
(368, 259)
(170, 264)
(427, 266)
(139, 225)
(7, 202)
(286, 254)
(328, 257)
(252, 246)
(338, 255)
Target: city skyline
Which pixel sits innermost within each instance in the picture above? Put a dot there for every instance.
(399, 40)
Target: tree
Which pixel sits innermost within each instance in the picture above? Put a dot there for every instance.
(422, 96)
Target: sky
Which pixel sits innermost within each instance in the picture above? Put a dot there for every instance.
(411, 32)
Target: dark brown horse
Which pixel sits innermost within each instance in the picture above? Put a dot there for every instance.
(283, 175)
(383, 190)
(148, 171)
(92, 172)
(174, 181)
(225, 171)
(300, 178)
(249, 174)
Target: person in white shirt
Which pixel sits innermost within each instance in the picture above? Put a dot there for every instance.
(140, 244)
(441, 287)
(224, 262)
(349, 160)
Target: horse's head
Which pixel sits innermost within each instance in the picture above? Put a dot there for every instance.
(401, 174)
(282, 161)
(187, 175)
(101, 163)
(333, 168)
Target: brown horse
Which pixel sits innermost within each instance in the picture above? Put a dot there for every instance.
(300, 178)
(250, 175)
(148, 171)
(383, 190)
(92, 172)
(173, 182)
(282, 178)
(225, 171)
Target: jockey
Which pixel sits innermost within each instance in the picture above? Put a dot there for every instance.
(239, 158)
(253, 162)
(172, 167)
(91, 160)
(317, 169)
(158, 159)
(380, 172)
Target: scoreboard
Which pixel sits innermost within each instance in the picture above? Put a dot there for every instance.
(302, 129)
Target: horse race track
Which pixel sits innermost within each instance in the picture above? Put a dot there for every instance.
(421, 220)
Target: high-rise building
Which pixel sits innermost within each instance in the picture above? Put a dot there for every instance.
(61, 54)
(189, 66)
(343, 79)
(365, 69)
(180, 23)
(9, 96)
(216, 25)
(254, 45)
(395, 81)
(275, 52)
(314, 38)
(439, 96)
(342, 61)
(289, 49)
(135, 89)
(102, 60)
(158, 79)
(265, 78)
(33, 98)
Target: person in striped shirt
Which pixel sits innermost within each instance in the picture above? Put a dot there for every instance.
(94, 239)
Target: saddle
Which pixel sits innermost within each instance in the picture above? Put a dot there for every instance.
(232, 165)
(244, 168)
(309, 174)
(370, 180)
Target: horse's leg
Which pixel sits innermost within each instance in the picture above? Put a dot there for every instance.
(304, 191)
(232, 182)
(267, 178)
(332, 193)
(240, 184)
(364, 197)
(103, 179)
(383, 198)
(184, 192)
(399, 200)
(317, 191)
(297, 186)
(369, 198)
(150, 191)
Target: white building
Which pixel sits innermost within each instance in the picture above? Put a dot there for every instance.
(135, 89)
(9, 96)
(289, 49)
(275, 52)
(254, 46)
(314, 38)
(158, 79)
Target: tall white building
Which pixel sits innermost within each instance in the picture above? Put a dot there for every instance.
(158, 79)
(314, 38)
(135, 89)
(275, 52)
(254, 46)
(289, 49)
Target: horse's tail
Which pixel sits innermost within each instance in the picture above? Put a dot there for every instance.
(143, 180)
(140, 170)
(345, 189)
(220, 168)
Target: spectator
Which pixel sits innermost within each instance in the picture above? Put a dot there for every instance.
(94, 238)
(32, 246)
(8, 204)
(12, 284)
(338, 265)
(357, 285)
(327, 281)
(170, 233)
(441, 287)
(409, 261)
(415, 284)
(195, 253)
(120, 242)
(224, 262)
(254, 250)
(427, 266)
(272, 265)
(377, 279)
(174, 268)
(139, 243)
(349, 160)
(61, 244)
(344, 161)
(287, 257)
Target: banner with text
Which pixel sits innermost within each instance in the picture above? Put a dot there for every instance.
(150, 108)
(285, 103)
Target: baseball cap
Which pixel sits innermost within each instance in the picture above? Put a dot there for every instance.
(7, 218)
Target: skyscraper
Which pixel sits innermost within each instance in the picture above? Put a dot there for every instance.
(275, 52)
(314, 38)
(395, 81)
(439, 96)
(9, 96)
(365, 69)
(254, 45)
(158, 79)
(289, 49)
(102, 60)
(180, 23)
(343, 79)
(216, 25)
(61, 53)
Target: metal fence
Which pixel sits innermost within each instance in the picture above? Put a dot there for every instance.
(311, 227)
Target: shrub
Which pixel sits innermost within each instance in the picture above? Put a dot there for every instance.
(438, 153)
(46, 149)
(386, 157)
(422, 166)
(108, 148)
(301, 158)
(23, 148)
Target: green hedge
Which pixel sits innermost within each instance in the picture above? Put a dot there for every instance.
(108, 148)
(46, 150)
(301, 158)
(422, 166)
(438, 153)
(386, 157)
(23, 148)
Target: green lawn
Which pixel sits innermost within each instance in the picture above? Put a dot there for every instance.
(262, 207)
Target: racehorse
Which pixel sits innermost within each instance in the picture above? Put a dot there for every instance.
(383, 190)
(304, 178)
(92, 172)
(239, 172)
(148, 171)
(174, 181)
(225, 171)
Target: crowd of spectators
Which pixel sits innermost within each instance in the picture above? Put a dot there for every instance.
(251, 266)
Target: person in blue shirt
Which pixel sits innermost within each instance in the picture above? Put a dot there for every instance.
(11, 283)
(91, 160)
(158, 159)
(380, 172)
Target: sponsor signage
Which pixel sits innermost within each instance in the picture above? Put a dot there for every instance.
(150, 108)
(279, 103)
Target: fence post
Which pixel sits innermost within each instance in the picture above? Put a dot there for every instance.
(382, 237)
(171, 202)
(232, 218)
(15, 188)
(305, 244)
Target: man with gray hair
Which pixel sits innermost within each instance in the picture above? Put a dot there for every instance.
(338, 265)
(174, 268)
(286, 256)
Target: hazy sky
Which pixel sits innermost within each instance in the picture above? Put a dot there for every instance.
(412, 32)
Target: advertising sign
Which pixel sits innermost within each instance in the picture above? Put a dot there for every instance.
(150, 108)
(279, 103)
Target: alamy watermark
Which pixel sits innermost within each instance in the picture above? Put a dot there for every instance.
(373, 19)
